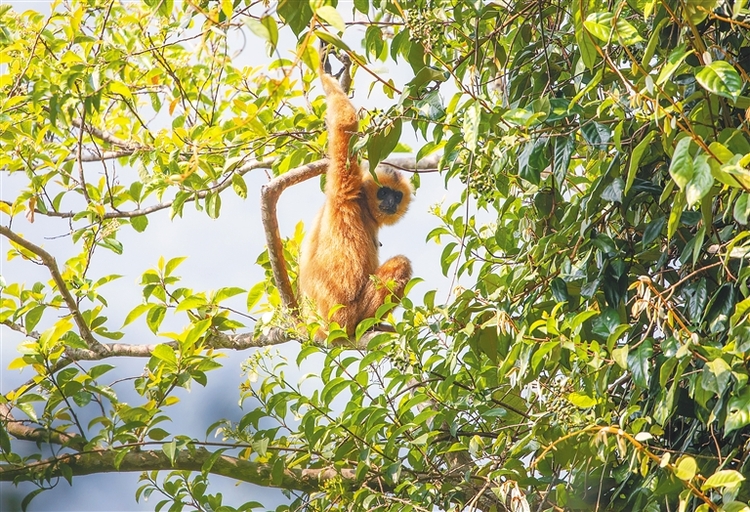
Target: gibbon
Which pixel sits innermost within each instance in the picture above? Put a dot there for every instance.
(340, 253)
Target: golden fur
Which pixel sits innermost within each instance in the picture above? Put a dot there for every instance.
(341, 250)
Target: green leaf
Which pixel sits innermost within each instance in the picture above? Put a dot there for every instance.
(583, 39)
(653, 230)
(5, 446)
(599, 24)
(382, 143)
(33, 316)
(330, 15)
(136, 312)
(139, 223)
(173, 264)
(723, 478)
(121, 89)
(155, 317)
(255, 294)
(606, 323)
(681, 166)
(99, 370)
(213, 205)
(620, 356)
(675, 214)
(165, 353)
(471, 119)
(295, 13)
(239, 186)
(581, 400)
(258, 28)
(639, 363)
(741, 209)
(697, 10)
(685, 468)
(225, 293)
(192, 302)
(701, 181)
(170, 450)
(635, 159)
(720, 78)
(562, 152)
(613, 192)
(27, 499)
(676, 57)
(531, 161)
(626, 33)
(738, 411)
(716, 376)
(273, 30)
(596, 135)
(157, 434)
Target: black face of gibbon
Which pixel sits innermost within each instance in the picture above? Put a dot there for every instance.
(389, 199)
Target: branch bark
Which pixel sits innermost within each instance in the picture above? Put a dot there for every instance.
(242, 170)
(108, 137)
(269, 196)
(302, 480)
(49, 261)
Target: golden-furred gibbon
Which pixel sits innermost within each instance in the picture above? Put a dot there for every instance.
(340, 253)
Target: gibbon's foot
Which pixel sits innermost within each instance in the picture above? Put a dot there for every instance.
(397, 269)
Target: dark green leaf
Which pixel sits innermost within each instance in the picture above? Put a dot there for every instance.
(653, 230)
(639, 363)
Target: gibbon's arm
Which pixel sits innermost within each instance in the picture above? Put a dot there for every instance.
(344, 177)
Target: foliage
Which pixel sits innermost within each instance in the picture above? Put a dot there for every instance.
(596, 355)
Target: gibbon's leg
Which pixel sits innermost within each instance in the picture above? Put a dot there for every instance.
(396, 270)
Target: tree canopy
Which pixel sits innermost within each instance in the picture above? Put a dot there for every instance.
(595, 356)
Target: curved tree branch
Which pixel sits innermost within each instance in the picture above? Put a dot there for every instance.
(104, 461)
(269, 196)
(49, 261)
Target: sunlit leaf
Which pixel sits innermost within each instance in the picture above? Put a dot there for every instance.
(720, 78)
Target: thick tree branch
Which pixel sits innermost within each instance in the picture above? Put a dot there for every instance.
(241, 341)
(101, 156)
(302, 480)
(49, 261)
(24, 432)
(269, 196)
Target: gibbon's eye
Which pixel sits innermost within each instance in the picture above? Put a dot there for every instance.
(382, 193)
(399, 196)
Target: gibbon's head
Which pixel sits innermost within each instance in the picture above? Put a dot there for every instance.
(388, 198)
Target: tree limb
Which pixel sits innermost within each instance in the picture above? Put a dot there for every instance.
(243, 169)
(24, 432)
(49, 261)
(269, 196)
(302, 480)
(107, 136)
